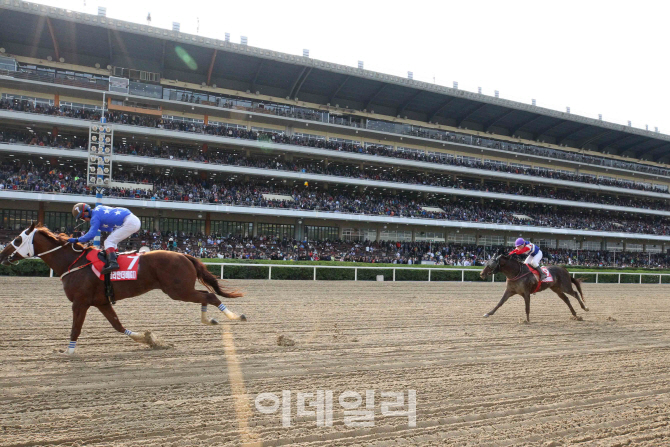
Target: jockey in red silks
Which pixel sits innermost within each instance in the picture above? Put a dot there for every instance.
(120, 222)
(534, 252)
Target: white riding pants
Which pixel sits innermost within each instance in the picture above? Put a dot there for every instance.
(534, 260)
(131, 225)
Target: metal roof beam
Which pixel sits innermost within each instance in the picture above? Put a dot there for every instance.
(514, 130)
(290, 92)
(582, 144)
(460, 122)
(404, 105)
(111, 50)
(295, 95)
(618, 151)
(567, 135)
(211, 66)
(441, 108)
(638, 152)
(373, 97)
(489, 124)
(549, 128)
(53, 38)
(162, 58)
(258, 71)
(331, 98)
(664, 157)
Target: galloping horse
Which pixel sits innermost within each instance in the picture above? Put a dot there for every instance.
(174, 273)
(521, 281)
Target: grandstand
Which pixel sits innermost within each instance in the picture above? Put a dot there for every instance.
(223, 146)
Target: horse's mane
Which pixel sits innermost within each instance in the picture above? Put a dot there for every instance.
(60, 239)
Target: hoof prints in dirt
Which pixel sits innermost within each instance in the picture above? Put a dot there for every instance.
(477, 381)
(283, 340)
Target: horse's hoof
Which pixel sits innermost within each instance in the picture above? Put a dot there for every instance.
(243, 317)
(486, 315)
(213, 321)
(586, 309)
(577, 318)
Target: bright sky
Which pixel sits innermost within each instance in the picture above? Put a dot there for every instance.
(596, 57)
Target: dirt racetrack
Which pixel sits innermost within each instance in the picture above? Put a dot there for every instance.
(495, 381)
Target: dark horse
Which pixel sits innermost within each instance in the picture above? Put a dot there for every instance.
(173, 273)
(521, 281)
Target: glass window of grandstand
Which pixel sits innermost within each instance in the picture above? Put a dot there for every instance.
(614, 246)
(489, 240)
(281, 231)
(147, 90)
(189, 227)
(227, 229)
(17, 219)
(396, 235)
(76, 105)
(429, 236)
(546, 243)
(147, 223)
(322, 233)
(7, 63)
(591, 245)
(462, 239)
(568, 244)
(63, 222)
(31, 100)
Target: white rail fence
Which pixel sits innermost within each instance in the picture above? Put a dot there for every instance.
(430, 270)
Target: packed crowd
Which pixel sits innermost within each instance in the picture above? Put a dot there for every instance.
(184, 187)
(147, 121)
(388, 252)
(340, 169)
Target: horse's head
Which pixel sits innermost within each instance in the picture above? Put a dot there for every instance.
(21, 247)
(493, 266)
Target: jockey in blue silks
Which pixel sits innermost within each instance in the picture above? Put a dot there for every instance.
(121, 223)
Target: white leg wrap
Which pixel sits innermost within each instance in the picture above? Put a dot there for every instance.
(71, 347)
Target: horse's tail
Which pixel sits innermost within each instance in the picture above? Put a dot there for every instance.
(209, 281)
(578, 284)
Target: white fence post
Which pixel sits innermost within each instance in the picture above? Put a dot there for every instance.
(221, 271)
(51, 273)
(355, 274)
(640, 278)
(393, 274)
(270, 273)
(429, 270)
(619, 278)
(659, 278)
(463, 275)
(596, 278)
(314, 273)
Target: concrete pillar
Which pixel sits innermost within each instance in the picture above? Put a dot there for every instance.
(255, 228)
(208, 224)
(603, 244)
(206, 120)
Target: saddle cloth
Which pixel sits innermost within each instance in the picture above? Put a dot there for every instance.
(547, 277)
(128, 266)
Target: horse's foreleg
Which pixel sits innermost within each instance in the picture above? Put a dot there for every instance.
(78, 317)
(504, 298)
(526, 299)
(108, 311)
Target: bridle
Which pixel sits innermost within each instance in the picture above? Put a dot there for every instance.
(27, 250)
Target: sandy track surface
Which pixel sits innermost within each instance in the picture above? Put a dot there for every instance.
(495, 381)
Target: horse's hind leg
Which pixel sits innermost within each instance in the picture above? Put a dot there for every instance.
(566, 300)
(204, 298)
(578, 298)
(108, 311)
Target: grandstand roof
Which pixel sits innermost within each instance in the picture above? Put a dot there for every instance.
(38, 31)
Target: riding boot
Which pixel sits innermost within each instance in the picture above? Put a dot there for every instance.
(111, 262)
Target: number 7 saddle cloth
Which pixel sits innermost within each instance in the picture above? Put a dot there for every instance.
(129, 266)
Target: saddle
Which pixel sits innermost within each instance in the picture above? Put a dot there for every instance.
(542, 275)
(128, 269)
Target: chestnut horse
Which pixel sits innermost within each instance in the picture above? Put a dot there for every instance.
(173, 273)
(521, 281)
